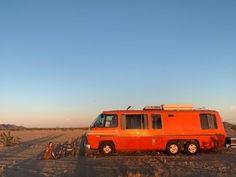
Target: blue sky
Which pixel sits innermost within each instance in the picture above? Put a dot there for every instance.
(64, 62)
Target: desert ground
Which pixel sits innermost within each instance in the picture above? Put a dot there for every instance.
(24, 160)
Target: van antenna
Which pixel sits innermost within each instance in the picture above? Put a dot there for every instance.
(128, 107)
(202, 108)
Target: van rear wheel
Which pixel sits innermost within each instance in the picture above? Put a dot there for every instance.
(173, 148)
(191, 148)
(106, 148)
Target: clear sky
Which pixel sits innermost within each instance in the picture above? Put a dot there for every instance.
(64, 62)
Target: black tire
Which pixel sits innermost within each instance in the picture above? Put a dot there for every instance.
(106, 148)
(172, 148)
(191, 147)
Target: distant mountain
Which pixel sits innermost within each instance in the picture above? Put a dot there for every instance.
(10, 127)
(230, 129)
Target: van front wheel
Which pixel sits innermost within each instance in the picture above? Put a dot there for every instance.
(106, 148)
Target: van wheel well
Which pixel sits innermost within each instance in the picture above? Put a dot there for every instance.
(102, 142)
(197, 143)
(193, 140)
(179, 142)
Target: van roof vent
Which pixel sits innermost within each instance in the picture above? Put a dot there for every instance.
(170, 107)
(152, 108)
(177, 107)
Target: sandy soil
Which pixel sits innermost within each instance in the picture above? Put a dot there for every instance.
(24, 160)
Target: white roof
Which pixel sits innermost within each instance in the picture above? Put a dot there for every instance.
(170, 107)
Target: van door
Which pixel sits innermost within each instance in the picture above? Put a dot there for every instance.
(104, 128)
(158, 141)
(152, 137)
(131, 130)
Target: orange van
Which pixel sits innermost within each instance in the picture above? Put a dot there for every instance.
(172, 128)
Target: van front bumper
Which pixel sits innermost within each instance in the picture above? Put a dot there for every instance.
(87, 146)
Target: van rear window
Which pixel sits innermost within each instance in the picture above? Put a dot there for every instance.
(208, 121)
(134, 121)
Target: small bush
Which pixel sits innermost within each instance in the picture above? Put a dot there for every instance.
(8, 140)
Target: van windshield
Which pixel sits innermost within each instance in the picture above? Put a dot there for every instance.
(99, 121)
(107, 121)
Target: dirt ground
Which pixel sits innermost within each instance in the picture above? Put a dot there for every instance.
(23, 160)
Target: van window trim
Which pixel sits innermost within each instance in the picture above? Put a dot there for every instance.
(212, 114)
(106, 120)
(124, 114)
(161, 121)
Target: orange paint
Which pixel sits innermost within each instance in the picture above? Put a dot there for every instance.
(181, 126)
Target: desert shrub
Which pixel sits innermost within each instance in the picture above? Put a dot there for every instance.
(8, 140)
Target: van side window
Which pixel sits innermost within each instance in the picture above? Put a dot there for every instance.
(111, 121)
(208, 121)
(156, 121)
(134, 121)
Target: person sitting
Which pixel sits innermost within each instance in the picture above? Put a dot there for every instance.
(49, 153)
